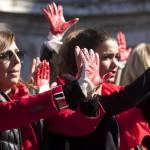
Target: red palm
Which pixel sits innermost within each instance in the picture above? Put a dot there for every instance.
(123, 50)
(56, 19)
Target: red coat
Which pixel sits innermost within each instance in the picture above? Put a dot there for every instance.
(20, 112)
(132, 125)
(22, 109)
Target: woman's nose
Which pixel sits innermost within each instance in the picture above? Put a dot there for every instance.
(15, 58)
(114, 62)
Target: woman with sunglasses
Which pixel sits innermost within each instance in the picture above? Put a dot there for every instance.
(19, 110)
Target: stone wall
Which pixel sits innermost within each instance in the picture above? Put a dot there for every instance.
(24, 17)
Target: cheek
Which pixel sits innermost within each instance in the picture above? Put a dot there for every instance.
(104, 67)
(3, 69)
(3, 73)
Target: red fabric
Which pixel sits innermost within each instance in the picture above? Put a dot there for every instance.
(132, 125)
(73, 122)
(70, 122)
(22, 110)
(26, 109)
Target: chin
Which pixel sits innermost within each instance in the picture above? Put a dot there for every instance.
(13, 81)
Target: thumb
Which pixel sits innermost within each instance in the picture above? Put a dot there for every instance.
(54, 84)
(72, 22)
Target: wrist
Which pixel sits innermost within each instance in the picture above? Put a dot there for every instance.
(86, 87)
(54, 42)
(57, 36)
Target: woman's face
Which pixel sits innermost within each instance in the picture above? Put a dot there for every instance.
(109, 55)
(10, 67)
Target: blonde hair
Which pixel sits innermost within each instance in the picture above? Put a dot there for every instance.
(6, 39)
(137, 63)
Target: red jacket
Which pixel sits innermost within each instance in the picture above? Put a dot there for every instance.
(20, 112)
(132, 125)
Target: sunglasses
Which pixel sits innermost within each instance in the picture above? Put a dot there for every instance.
(8, 55)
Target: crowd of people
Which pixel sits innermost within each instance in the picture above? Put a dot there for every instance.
(71, 100)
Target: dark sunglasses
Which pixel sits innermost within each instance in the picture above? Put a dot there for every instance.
(8, 55)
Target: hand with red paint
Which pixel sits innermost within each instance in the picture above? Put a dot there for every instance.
(39, 76)
(89, 78)
(42, 76)
(123, 50)
(34, 66)
(56, 19)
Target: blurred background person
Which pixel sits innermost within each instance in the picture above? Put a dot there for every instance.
(137, 63)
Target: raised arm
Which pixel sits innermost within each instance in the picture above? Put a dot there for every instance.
(58, 25)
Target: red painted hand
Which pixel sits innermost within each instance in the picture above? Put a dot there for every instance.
(90, 67)
(56, 19)
(42, 75)
(123, 50)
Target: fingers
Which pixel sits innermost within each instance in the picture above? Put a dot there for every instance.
(43, 73)
(121, 40)
(72, 22)
(97, 60)
(44, 70)
(60, 10)
(33, 66)
(84, 55)
(55, 9)
(50, 11)
(92, 55)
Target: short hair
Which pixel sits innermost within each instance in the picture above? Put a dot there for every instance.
(6, 39)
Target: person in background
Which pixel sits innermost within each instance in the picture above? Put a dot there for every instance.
(50, 47)
(124, 53)
(138, 62)
(107, 135)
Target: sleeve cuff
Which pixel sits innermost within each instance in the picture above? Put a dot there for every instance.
(59, 97)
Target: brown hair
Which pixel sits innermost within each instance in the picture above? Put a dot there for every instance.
(82, 37)
(6, 39)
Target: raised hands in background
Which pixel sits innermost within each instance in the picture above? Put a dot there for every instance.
(123, 50)
(54, 15)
